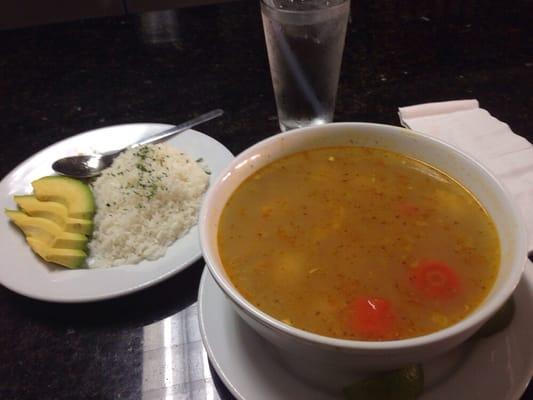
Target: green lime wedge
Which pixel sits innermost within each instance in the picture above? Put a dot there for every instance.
(498, 322)
(401, 384)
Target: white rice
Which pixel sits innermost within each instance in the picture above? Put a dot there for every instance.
(146, 200)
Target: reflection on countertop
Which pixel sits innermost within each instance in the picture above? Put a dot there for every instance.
(175, 363)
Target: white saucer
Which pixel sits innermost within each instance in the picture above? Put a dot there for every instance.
(496, 368)
(24, 273)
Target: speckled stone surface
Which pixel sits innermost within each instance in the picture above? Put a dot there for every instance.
(59, 80)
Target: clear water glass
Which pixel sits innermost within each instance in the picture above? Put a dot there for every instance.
(305, 42)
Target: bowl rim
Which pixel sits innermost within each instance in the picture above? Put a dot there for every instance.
(476, 318)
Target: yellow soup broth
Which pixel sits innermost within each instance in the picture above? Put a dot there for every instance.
(358, 243)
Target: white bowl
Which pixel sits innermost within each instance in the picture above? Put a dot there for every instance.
(313, 349)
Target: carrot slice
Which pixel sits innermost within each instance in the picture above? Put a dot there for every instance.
(408, 209)
(435, 280)
(371, 317)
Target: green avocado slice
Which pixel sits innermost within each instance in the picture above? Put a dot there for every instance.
(402, 384)
(46, 231)
(55, 212)
(70, 258)
(74, 194)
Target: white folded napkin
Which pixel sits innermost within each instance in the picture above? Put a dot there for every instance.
(472, 129)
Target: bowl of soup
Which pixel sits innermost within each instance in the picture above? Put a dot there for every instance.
(361, 246)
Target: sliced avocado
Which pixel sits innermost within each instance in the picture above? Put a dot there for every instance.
(70, 258)
(51, 210)
(401, 384)
(46, 231)
(74, 194)
(55, 212)
(79, 225)
(38, 247)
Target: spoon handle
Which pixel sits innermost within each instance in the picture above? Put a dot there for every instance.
(181, 127)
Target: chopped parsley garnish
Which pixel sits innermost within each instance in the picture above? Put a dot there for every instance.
(149, 179)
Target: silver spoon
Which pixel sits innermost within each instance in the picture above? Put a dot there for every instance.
(88, 166)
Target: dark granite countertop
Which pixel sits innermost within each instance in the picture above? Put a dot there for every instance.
(59, 80)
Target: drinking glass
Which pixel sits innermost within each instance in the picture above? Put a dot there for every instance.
(305, 42)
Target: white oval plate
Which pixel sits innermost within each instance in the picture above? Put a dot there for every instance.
(25, 273)
(495, 368)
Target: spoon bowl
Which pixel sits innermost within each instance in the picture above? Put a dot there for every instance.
(89, 166)
(85, 166)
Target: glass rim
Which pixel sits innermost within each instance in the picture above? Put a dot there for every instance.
(283, 10)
